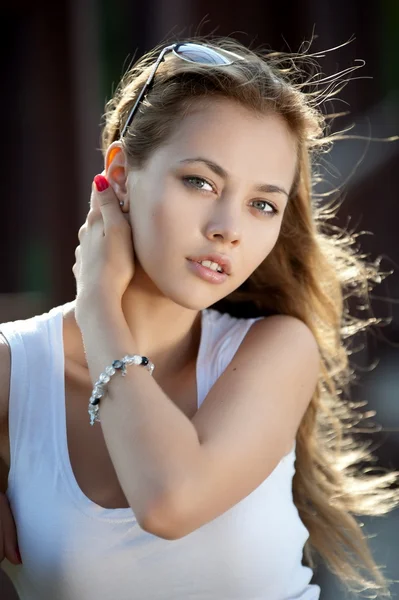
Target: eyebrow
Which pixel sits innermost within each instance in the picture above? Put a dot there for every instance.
(268, 188)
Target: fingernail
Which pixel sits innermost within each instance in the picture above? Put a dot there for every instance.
(18, 556)
(101, 183)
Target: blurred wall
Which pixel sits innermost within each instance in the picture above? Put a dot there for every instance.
(63, 61)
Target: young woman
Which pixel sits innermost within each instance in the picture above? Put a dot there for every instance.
(179, 430)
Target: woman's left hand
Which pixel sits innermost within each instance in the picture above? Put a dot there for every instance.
(105, 257)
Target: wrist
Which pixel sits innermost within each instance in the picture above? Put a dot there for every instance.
(94, 308)
(106, 335)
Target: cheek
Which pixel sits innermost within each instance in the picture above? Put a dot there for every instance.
(171, 220)
(164, 223)
(263, 248)
(157, 229)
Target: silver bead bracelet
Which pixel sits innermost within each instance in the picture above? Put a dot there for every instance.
(100, 385)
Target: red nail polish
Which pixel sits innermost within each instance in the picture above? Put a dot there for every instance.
(19, 556)
(101, 183)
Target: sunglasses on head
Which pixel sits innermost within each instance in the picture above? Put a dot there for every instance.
(195, 53)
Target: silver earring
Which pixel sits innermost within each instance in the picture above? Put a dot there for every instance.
(121, 203)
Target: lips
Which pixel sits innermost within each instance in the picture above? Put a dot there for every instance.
(210, 275)
(221, 259)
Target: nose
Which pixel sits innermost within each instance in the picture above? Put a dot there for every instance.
(226, 228)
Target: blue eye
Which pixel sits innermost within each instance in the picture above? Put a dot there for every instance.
(189, 179)
(192, 181)
(270, 213)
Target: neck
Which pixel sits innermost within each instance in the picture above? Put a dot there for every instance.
(167, 333)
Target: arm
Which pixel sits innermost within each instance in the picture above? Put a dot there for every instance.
(151, 442)
(170, 467)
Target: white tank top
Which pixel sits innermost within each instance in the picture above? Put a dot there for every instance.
(74, 549)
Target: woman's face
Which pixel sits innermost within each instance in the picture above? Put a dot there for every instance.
(182, 207)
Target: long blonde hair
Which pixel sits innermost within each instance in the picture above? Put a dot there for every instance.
(311, 273)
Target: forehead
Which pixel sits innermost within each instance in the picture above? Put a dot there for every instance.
(243, 142)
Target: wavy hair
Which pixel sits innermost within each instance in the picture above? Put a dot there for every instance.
(313, 271)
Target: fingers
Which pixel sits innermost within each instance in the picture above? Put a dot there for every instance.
(94, 198)
(109, 204)
(94, 216)
(75, 268)
(105, 212)
(77, 262)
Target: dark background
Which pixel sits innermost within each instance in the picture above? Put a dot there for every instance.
(62, 62)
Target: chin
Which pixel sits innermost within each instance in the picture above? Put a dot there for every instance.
(191, 296)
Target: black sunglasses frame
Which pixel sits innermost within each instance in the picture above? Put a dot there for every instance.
(177, 49)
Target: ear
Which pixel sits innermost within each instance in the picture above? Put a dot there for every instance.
(116, 171)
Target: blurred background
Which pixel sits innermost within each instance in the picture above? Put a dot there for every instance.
(62, 62)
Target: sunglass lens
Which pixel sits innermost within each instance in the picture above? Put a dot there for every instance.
(201, 54)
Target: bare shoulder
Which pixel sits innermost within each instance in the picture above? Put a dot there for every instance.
(289, 352)
(285, 328)
(278, 358)
(283, 343)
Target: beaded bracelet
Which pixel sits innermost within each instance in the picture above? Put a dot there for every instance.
(118, 365)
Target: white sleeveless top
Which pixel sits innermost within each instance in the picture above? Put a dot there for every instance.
(74, 549)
